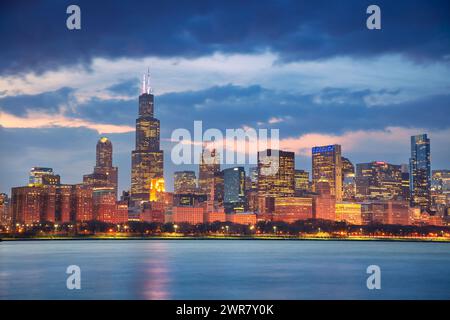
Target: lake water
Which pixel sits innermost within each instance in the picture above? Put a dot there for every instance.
(218, 269)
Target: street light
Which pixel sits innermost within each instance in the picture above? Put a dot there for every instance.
(175, 227)
(275, 229)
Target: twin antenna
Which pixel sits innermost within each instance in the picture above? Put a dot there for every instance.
(146, 83)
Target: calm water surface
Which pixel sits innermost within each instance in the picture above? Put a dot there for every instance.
(217, 269)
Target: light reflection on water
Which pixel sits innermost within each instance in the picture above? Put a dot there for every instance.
(215, 269)
(157, 274)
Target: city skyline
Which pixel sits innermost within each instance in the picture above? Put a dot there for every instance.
(320, 79)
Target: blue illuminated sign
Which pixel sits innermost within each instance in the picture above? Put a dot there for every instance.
(323, 149)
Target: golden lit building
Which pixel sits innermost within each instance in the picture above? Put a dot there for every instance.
(242, 218)
(185, 182)
(327, 164)
(348, 212)
(276, 172)
(209, 168)
(301, 180)
(291, 209)
(157, 189)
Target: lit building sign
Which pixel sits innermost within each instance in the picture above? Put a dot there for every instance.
(323, 149)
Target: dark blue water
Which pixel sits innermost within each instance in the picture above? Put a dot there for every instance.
(215, 269)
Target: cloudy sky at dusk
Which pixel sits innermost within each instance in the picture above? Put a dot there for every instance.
(308, 68)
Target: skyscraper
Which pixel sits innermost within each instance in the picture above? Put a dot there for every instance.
(378, 180)
(234, 189)
(185, 182)
(348, 168)
(147, 160)
(253, 175)
(301, 180)
(405, 182)
(5, 217)
(420, 172)
(327, 164)
(104, 175)
(208, 168)
(440, 187)
(276, 172)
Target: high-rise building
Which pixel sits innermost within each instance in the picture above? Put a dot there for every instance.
(83, 203)
(253, 175)
(104, 175)
(276, 172)
(219, 189)
(405, 182)
(348, 180)
(324, 202)
(5, 216)
(420, 172)
(234, 189)
(441, 181)
(301, 180)
(147, 160)
(157, 190)
(54, 203)
(347, 167)
(185, 182)
(378, 180)
(209, 167)
(327, 164)
(104, 204)
(440, 191)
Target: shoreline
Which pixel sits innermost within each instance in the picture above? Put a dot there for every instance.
(259, 238)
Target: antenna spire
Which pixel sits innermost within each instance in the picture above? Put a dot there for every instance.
(146, 88)
(143, 85)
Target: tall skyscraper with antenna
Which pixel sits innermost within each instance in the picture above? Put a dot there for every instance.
(147, 160)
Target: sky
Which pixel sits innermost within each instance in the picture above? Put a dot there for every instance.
(311, 69)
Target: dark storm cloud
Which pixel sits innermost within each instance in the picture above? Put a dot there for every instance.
(46, 101)
(127, 87)
(113, 111)
(33, 35)
(331, 110)
(339, 110)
